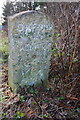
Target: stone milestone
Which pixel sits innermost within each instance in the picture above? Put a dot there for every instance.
(30, 40)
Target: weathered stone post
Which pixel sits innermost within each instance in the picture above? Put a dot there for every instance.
(30, 39)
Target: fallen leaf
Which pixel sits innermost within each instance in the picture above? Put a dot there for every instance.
(29, 113)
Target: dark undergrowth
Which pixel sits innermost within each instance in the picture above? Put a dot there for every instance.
(32, 103)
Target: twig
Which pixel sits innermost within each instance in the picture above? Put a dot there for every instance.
(74, 53)
(37, 103)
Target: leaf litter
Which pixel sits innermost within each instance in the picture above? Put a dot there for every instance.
(37, 103)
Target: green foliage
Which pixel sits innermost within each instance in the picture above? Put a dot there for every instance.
(5, 57)
(32, 90)
(78, 109)
(48, 89)
(56, 36)
(7, 11)
(70, 55)
(54, 50)
(4, 115)
(75, 60)
(45, 116)
(60, 98)
(20, 114)
(3, 98)
(34, 103)
(22, 98)
(67, 86)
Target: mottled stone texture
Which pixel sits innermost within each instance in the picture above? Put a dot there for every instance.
(30, 39)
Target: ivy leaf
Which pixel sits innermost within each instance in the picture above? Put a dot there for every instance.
(78, 109)
(60, 98)
(75, 60)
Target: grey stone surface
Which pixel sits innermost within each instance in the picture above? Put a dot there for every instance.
(30, 40)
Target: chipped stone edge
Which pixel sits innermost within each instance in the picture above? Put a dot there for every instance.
(28, 12)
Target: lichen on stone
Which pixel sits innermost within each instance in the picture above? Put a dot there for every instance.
(30, 49)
